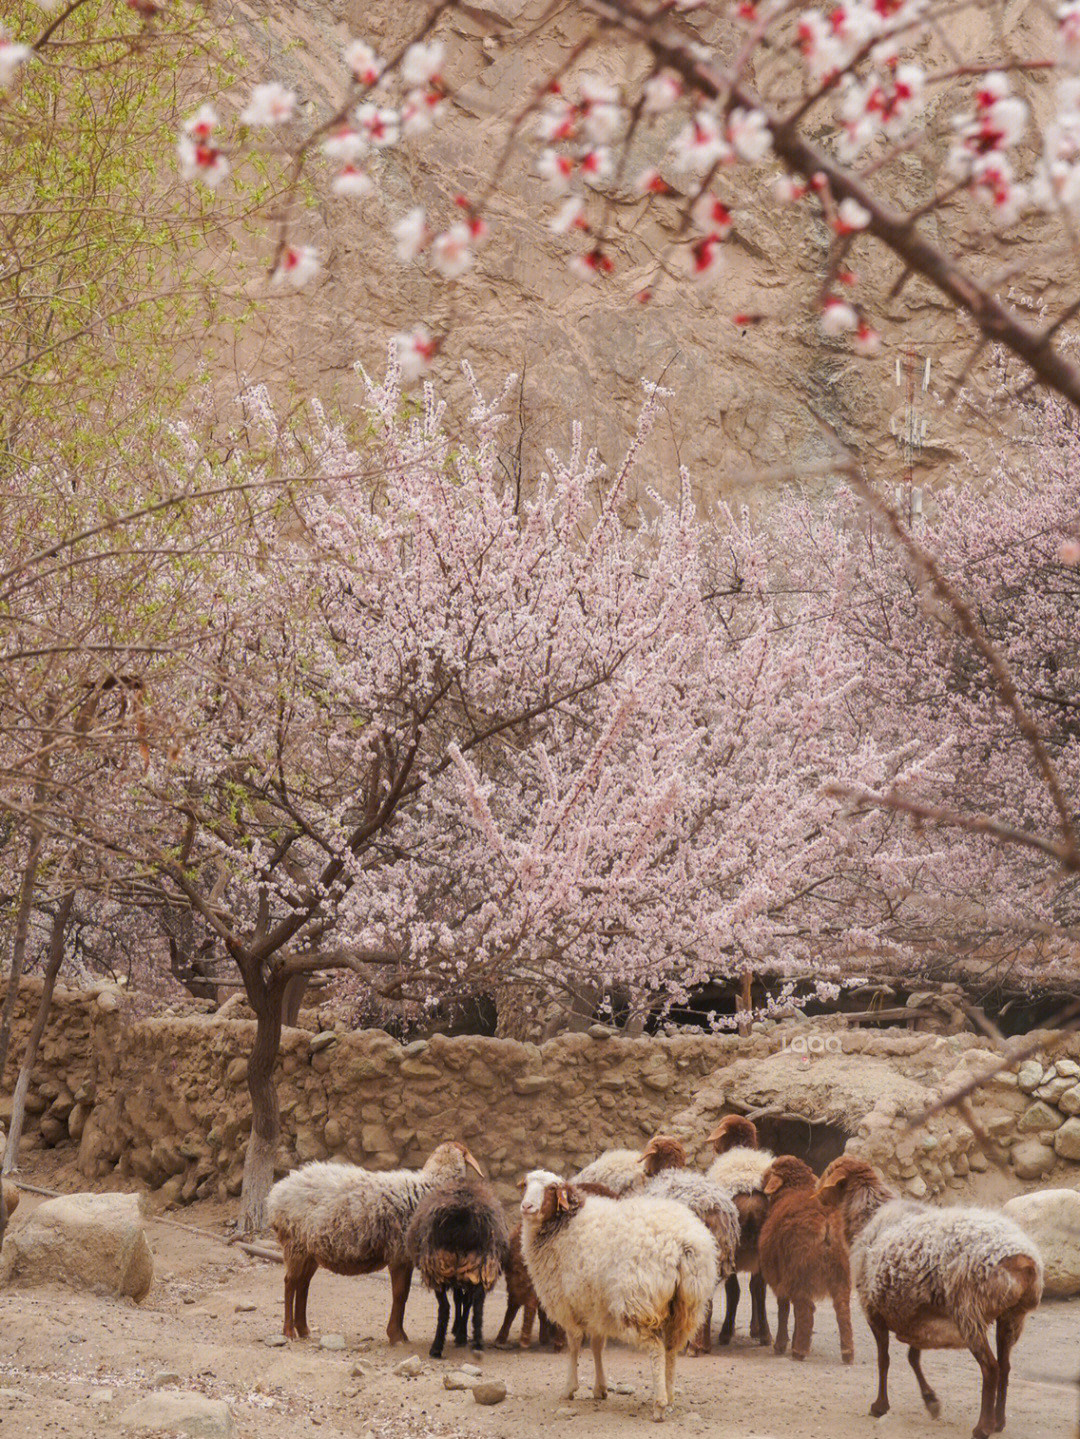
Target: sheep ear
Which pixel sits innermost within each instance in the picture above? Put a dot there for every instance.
(715, 1135)
(773, 1183)
(523, 1184)
(562, 1198)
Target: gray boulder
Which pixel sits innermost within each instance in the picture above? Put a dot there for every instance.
(83, 1240)
(1052, 1218)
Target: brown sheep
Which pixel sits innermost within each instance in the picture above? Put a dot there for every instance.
(520, 1294)
(740, 1167)
(803, 1256)
(936, 1278)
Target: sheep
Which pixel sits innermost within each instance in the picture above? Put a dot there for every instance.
(637, 1268)
(458, 1239)
(740, 1167)
(667, 1177)
(353, 1221)
(803, 1256)
(615, 1169)
(520, 1294)
(936, 1278)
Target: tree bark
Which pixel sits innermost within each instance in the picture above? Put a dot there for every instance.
(293, 998)
(18, 946)
(22, 1084)
(266, 998)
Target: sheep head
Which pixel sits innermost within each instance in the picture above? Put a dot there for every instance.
(534, 1189)
(734, 1132)
(788, 1172)
(451, 1159)
(663, 1151)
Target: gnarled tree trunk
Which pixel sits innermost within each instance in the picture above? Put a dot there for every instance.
(18, 946)
(22, 1084)
(265, 997)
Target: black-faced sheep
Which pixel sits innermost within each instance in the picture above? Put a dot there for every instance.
(458, 1240)
(667, 1177)
(353, 1221)
(936, 1278)
(638, 1269)
(740, 1167)
(804, 1257)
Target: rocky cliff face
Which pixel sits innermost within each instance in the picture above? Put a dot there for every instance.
(745, 402)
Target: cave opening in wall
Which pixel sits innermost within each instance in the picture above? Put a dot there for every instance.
(815, 1143)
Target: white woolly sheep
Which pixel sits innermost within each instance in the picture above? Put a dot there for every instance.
(740, 1167)
(936, 1278)
(353, 1221)
(458, 1240)
(667, 1177)
(616, 1169)
(638, 1269)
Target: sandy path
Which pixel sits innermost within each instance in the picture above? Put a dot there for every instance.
(70, 1363)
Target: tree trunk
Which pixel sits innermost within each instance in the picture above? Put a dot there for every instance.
(22, 1084)
(265, 997)
(746, 999)
(18, 947)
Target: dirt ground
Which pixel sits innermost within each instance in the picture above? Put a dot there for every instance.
(71, 1363)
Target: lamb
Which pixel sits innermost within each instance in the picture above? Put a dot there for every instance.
(520, 1294)
(353, 1221)
(458, 1240)
(638, 1268)
(667, 1177)
(740, 1167)
(803, 1257)
(616, 1169)
(936, 1278)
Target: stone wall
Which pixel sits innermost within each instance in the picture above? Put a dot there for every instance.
(162, 1102)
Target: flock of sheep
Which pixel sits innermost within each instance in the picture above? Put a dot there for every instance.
(633, 1247)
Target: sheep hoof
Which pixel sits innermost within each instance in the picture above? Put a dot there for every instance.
(877, 1410)
(797, 1357)
(933, 1408)
(658, 1412)
(435, 1351)
(765, 1339)
(569, 1393)
(599, 1393)
(396, 1336)
(779, 1348)
(848, 1356)
(724, 1337)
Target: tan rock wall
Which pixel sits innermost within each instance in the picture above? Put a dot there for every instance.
(163, 1102)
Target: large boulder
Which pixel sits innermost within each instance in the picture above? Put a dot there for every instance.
(191, 1414)
(1052, 1218)
(84, 1240)
(11, 1196)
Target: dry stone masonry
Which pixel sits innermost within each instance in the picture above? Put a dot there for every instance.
(162, 1103)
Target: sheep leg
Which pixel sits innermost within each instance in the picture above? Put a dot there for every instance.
(443, 1320)
(669, 1375)
(880, 1330)
(659, 1369)
(573, 1349)
(783, 1309)
(462, 1301)
(400, 1281)
(929, 1398)
(702, 1340)
(731, 1304)
(528, 1319)
(804, 1328)
(502, 1339)
(599, 1381)
(759, 1319)
(984, 1355)
(1008, 1331)
(300, 1293)
(295, 1325)
(842, 1305)
(478, 1296)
